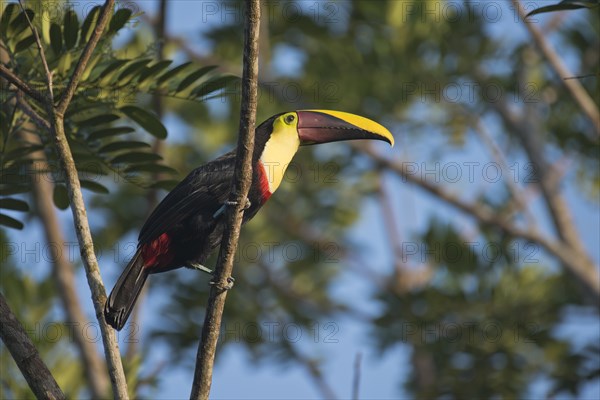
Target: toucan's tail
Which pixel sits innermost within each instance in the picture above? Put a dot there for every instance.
(121, 300)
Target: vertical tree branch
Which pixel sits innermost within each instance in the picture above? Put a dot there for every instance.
(82, 229)
(356, 377)
(240, 187)
(38, 377)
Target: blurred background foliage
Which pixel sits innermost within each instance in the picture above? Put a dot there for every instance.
(436, 73)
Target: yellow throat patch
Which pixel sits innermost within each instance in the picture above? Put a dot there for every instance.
(280, 148)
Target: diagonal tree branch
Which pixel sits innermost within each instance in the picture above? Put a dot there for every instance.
(82, 229)
(69, 92)
(574, 87)
(26, 356)
(240, 187)
(18, 82)
(579, 264)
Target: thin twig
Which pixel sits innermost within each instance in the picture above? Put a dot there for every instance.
(240, 187)
(490, 143)
(38, 42)
(85, 57)
(356, 377)
(82, 229)
(37, 374)
(31, 113)
(574, 87)
(20, 84)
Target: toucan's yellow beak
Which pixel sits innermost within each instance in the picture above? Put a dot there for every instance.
(323, 126)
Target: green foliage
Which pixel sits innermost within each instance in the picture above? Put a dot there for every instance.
(476, 324)
(98, 122)
(477, 327)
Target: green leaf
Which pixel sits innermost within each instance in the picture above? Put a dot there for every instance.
(194, 76)
(173, 72)
(112, 67)
(119, 19)
(555, 7)
(167, 184)
(565, 5)
(91, 167)
(146, 120)
(132, 68)
(24, 44)
(10, 222)
(214, 85)
(9, 190)
(153, 168)
(136, 157)
(89, 24)
(7, 15)
(117, 146)
(61, 197)
(20, 23)
(70, 29)
(56, 39)
(154, 70)
(108, 132)
(98, 120)
(14, 204)
(64, 64)
(21, 152)
(93, 186)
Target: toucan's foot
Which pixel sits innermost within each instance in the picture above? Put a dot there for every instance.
(199, 267)
(229, 285)
(228, 203)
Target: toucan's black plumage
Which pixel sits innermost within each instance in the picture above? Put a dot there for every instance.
(186, 226)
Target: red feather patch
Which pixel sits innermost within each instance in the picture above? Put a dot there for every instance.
(263, 182)
(157, 253)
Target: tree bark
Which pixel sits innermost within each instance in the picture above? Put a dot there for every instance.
(240, 187)
(38, 377)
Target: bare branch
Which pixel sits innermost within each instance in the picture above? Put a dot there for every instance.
(22, 86)
(498, 155)
(574, 87)
(240, 187)
(82, 229)
(38, 42)
(85, 57)
(356, 377)
(39, 378)
(31, 113)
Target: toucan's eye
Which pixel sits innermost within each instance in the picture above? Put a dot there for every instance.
(289, 119)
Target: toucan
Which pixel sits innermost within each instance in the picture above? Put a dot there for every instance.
(187, 225)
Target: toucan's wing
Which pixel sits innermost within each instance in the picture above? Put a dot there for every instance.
(200, 194)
